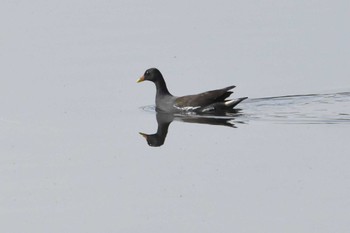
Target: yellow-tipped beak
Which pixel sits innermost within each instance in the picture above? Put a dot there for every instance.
(141, 79)
(143, 135)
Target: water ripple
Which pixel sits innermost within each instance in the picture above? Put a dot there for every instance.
(301, 109)
(331, 108)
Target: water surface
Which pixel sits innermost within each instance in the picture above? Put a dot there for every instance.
(72, 158)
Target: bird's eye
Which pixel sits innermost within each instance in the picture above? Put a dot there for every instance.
(147, 72)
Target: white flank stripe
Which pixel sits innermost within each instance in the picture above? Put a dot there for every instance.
(189, 108)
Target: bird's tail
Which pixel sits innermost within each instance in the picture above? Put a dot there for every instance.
(233, 103)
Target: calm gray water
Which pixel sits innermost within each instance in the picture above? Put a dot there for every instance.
(72, 158)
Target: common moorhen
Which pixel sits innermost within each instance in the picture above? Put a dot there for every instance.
(206, 102)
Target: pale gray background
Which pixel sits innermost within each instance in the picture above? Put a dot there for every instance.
(71, 159)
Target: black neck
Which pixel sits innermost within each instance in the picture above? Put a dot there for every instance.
(161, 87)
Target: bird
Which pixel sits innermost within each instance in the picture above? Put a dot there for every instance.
(206, 102)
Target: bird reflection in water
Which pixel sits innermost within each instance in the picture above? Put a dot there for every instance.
(164, 120)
